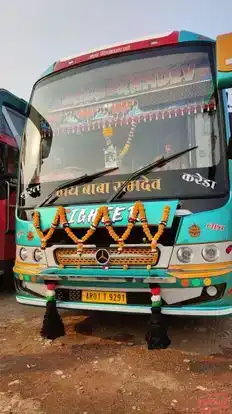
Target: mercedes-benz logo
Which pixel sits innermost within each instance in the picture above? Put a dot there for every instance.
(102, 256)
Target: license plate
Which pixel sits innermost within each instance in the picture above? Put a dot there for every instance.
(96, 296)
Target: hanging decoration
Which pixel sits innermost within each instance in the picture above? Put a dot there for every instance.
(156, 336)
(112, 158)
(53, 326)
(129, 118)
(129, 139)
(110, 150)
(103, 212)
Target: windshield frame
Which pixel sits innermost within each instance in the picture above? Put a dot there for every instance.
(209, 47)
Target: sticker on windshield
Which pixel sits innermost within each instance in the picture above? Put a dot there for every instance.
(199, 180)
(30, 192)
(111, 157)
(94, 189)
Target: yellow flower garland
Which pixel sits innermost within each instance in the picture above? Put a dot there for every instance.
(108, 132)
(103, 212)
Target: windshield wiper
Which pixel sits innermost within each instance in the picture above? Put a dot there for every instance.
(122, 190)
(156, 164)
(86, 178)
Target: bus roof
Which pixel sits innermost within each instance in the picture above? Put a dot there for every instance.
(13, 100)
(151, 41)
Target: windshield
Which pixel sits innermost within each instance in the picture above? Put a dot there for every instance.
(126, 112)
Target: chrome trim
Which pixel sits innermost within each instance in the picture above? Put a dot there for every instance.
(137, 245)
(30, 259)
(121, 289)
(198, 271)
(182, 212)
(41, 288)
(170, 295)
(128, 308)
(129, 279)
(105, 254)
(165, 253)
(87, 306)
(197, 312)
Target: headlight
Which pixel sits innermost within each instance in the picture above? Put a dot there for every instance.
(23, 253)
(211, 291)
(38, 255)
(210, 253)
(185, 254)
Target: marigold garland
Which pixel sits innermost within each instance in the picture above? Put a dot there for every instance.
(127, 145)
(103, 212)
(129, 139)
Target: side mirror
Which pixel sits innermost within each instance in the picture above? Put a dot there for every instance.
(224, 60)
(46, 138)
(44, 129)
(46, 147)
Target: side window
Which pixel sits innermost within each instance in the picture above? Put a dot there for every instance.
(4, 128)
(12, 161)
(15, 122)
(9, 157)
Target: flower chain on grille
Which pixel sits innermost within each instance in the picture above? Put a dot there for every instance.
(103, 212)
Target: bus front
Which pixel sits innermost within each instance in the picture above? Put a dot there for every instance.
(93, 127)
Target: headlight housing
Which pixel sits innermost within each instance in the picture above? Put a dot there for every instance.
(38, 255)
(211, 291)
(185, 254)
(23, 254)
(210, 253)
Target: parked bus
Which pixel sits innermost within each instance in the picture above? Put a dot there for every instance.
(124, 200)
(12, 120)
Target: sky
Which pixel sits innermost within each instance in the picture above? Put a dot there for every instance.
(35, 33)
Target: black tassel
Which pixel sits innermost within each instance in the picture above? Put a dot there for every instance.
(53, 326)
(156, 336)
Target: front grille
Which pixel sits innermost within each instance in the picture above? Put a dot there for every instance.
(133, 298)
(102, 238)
(130, 256)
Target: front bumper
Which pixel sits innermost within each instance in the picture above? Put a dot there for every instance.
(178, 311)
(177, 299)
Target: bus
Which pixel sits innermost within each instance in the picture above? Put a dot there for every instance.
(124, 198)
(12, 120)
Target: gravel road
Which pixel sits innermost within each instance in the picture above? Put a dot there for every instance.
(102, 365)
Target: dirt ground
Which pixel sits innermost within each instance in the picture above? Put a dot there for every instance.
(102, 365)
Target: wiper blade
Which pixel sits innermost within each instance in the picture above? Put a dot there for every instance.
(156, 164)
(86, 178)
